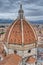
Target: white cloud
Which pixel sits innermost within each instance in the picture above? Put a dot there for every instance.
(14, 16)
(33, 9)
(35, 18)
(8, 15)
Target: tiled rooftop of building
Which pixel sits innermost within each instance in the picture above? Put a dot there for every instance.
(40, 45)
(1, 48)
(31, 60)
(12, 59)
(16, 33)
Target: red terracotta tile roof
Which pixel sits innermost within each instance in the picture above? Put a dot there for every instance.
(40, 45)
(14, 33)
(1, 48)
(31, 60)
(12, 59)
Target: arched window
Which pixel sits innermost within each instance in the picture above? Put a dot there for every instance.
(4, 52)
(15, 51)
(29, 51)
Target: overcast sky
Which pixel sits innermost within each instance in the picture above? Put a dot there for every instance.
(33, 9)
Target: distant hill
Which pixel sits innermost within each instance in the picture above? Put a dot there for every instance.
(37, 22)
(6, 21)
(10, 21)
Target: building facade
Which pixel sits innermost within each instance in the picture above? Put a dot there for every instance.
(21, 39)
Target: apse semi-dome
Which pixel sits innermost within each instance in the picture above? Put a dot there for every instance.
(20, 31)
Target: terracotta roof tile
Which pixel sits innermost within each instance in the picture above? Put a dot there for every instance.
(12, 59)
(31, 60)
(16, 33)
(1, 48)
